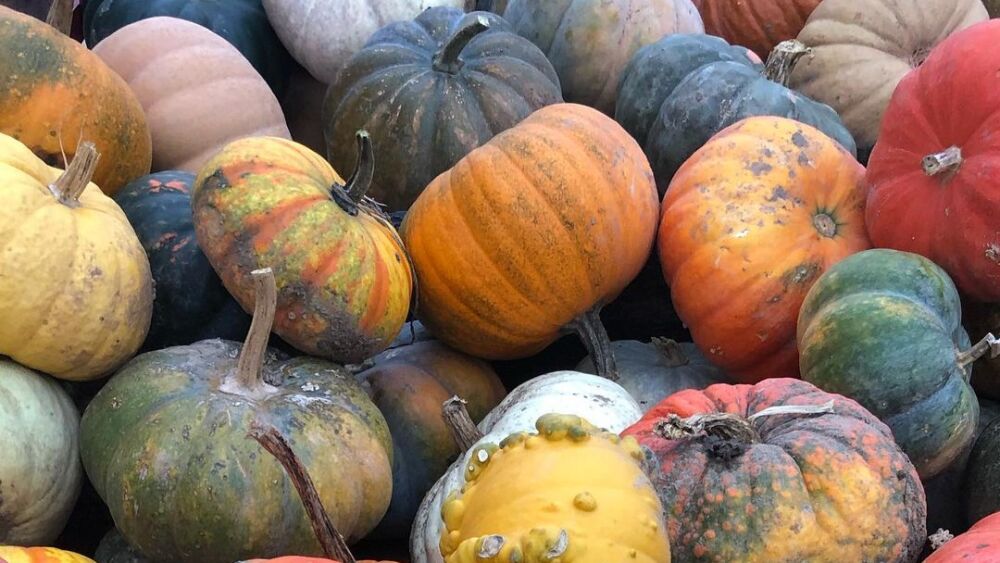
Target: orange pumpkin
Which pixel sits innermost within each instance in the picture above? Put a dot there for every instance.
(54, 92)
(757, 24)
(12, 554)
(749, 223)
(530, 234)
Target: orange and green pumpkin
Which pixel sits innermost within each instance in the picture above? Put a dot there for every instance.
(12, 554)
(344, 281)
(54, 92)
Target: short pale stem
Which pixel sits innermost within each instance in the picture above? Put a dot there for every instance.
(595, 338)
(447, 58)
(730, 426)
(671, 350)
(939, 538)
(782, 59)
(825, 225)
(70, 185)
(351, 194)
(989, 343)
(251, 361)
(60, 16)
(329, 538)
(457, 419)
(948, 160)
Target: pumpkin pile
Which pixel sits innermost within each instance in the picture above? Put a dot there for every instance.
(471, 281)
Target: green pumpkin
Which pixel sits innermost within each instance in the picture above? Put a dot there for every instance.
(241, 22)
(114, 549)
(883, 327)
(428, 91)
(982, 478)
(165, 445)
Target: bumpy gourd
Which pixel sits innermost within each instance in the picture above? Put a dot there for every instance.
(570, 493)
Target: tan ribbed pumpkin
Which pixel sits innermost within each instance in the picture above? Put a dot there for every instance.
(199, 93)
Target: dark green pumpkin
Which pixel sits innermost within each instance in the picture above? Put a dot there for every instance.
(165, 445)
(409, 385)
(114, 549)
(241, 22)
(982, 478)
(883, 327)
(680, 91)
(191, 304)
(428, 91)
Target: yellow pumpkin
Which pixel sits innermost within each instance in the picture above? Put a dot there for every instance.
(75, 287)
(570, 493)
(11, 554)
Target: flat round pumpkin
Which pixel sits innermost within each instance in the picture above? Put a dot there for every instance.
(861, 49)
(215, 95)
(757, 24)
(748, 224)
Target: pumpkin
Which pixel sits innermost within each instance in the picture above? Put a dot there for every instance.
(304, 27)
(243, 23)
(556, 216)
(748, 224)
(76, 296)
(55, 92)
(114, 549)
(11, 554)
(40, 472)
(168, 434)
(408, 385)
(430, 90)
(569, 492)
(344, 280)
(590, 42)
(605, 404)
(981, 319)
(781, 471)
(982, 492)
(883, 328)
(190, 302)
(215, 95)
(652, 371)
(758, 24)
(861, 49)
(980, 544)
(935, 158)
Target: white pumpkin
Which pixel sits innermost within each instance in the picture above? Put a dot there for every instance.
(199, 93)
(603, 403)
(40, 472)
(323, 34)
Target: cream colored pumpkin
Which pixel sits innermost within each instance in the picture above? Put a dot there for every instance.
(323, 34)
(76, 294)
(861, 49)
(605, 404)
(199, 93)
(40, 473)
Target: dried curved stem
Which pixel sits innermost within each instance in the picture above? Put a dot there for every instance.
(447, 58)
(249, 368)
(70, 185)
(457, 419)
(729, 426)
(989, 343)
(782, 59)
(595, 338)
(350, 195)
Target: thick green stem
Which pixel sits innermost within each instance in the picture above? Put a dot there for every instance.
(350, 195)
(447, 58)
(70, 185)
(948, 160)
(595, 338)
(782, 59)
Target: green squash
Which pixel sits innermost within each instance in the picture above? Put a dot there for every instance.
(40, 474)
(114, 549)
(428, 91)
(241, 22)
(982, 478)
(165, 445)
(883, 328)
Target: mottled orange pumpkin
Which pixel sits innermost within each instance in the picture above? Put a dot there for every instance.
(344, 281)
(54, 92)
(530, 234)
(11, 554)
(749, 223)
(757, 24)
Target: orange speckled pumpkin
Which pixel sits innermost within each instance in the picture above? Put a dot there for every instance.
(749, 223)
(532, 232)
(300, 559)
(981, 544)
(53, 92)
(757, 24)
(11, 554)
(781, 471)
(344, 281)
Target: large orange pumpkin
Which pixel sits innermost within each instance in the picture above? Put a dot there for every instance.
(530, 234)
(757, 24)
(54, 92)
(749, 223)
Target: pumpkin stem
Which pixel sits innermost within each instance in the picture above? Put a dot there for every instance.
(672, 351)
(70, 185)
(60, 16)
(782, 59)
(447, 58)
(729, 427)
(591, 331)
(939, 538)
(949, 160)
(457, 419)
(349, 196)
(989, 343)
(329, 538)
(249, 369)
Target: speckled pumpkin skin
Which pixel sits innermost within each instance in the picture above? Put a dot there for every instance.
(981, 544)
(819, 488)
(168, 451)
(344, 283)
(11, 554)
(883, 327)
(53, 89)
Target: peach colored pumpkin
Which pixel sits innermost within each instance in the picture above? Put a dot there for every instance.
(199, 93)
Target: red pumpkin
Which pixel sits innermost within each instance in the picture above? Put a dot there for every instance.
(981, 544)
(934, 170)
(757, 24)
